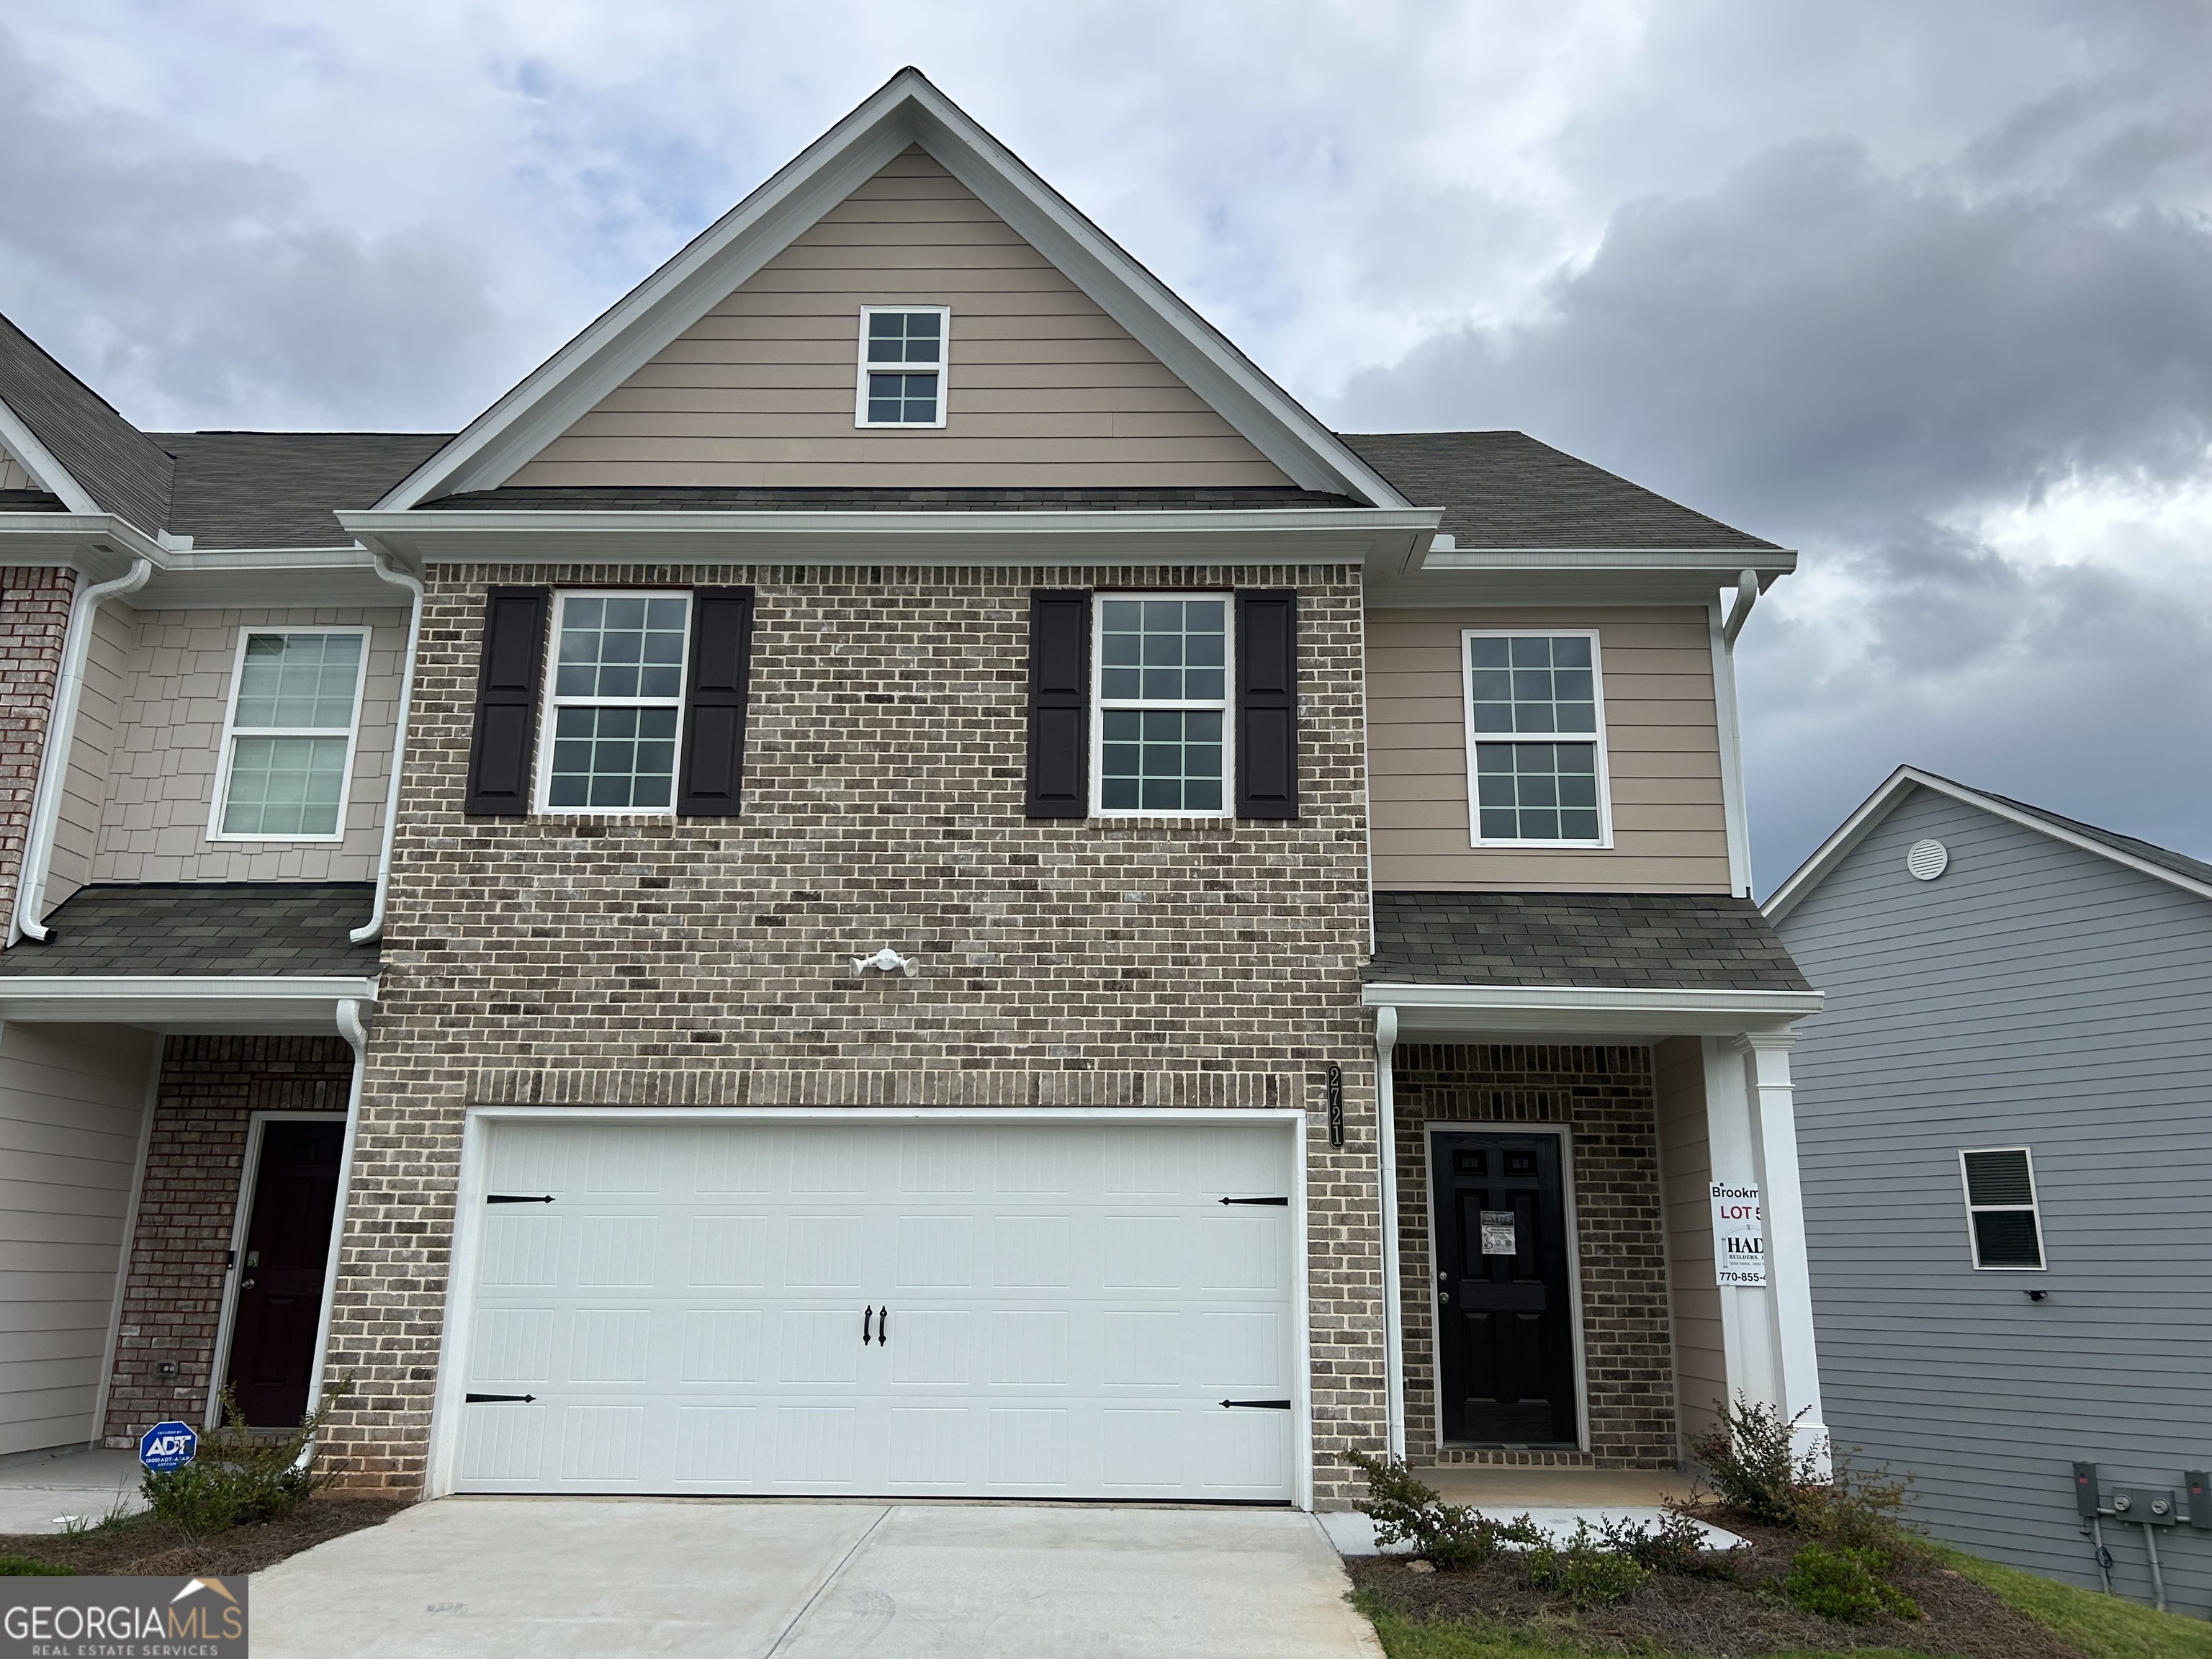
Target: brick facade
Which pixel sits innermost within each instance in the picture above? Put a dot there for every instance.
(34, 608)
(210, 1089)
(613, 961)
(1605, 1097)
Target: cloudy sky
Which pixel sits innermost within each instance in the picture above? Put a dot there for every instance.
(1923, 291)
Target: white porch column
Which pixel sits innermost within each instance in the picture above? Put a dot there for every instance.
(1386, 1194)
(1751, 1117)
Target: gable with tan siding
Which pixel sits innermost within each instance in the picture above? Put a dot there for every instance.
(1662, 741)
(1044, 387)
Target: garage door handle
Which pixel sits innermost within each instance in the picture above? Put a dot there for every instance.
(1257, 1405)
(865, 1319)
(884, 1328)
(1255, 1200)
(498, 1399)
(517, 1198)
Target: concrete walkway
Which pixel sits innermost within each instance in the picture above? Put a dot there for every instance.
(548, 1577)
(38, 1494)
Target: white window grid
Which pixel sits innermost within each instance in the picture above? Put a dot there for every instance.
(232, 732)
(1226, 704)
(1466, 720)
(552, 703)
(942, 369)
(2033, 1209)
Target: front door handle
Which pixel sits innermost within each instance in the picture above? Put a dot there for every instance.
(1444, 1296)
(245, 1284)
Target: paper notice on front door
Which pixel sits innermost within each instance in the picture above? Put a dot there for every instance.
(1739, 1236)
(1497, 1233)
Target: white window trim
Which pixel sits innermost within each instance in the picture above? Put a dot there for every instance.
(221, 804)
(1227, 703)
(943, 370)
(2033, 1207)
(548, 701)
(1476, 837)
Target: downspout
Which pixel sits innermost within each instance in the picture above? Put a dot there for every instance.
(53, 764)
(349, 1028)
(1386, 1160)
(373, 929)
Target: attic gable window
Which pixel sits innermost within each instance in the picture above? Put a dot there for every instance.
(903, 365)
(2001, 1208)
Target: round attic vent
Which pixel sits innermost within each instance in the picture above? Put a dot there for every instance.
(1928, 860)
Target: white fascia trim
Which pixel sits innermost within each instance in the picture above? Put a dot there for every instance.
(1726, 564)
(39, 461)
(906, 110)
(220, 987)
(1623, 1009)
(1337, 534)
(1886, 799)
(99, 544)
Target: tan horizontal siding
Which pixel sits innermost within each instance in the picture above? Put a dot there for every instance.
(1044, 389)
(1662, 752)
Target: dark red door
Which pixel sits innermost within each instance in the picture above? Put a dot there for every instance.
(1505, 1312)
(279, 1277)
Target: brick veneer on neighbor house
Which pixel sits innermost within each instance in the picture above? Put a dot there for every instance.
(1605, 1097)
(616, 961)
(210, 1087)
(35, 607)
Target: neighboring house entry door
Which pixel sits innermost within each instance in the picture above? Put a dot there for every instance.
(280, 1271)
(1505, 1345)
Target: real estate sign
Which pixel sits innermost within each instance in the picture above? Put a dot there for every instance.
(1739, 1236)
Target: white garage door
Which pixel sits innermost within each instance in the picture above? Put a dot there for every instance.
(883, 1308)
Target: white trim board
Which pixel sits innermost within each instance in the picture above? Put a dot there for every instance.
(442, 1471)
(238, 1005)
(906, 110)
(1623, 1011)
(1893, 793)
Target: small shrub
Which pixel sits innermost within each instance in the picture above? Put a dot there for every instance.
(1754, 1467)
(1588, 1570)
(1844, 1585)
(239, 1478)
(1406, 1511)
(26, 1566)
(1676, 1544)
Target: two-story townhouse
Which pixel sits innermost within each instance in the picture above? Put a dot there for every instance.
(974, 903)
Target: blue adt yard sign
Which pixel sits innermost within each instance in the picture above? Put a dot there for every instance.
(167, 1446)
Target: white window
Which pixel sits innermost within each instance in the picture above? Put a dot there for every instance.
(1161, 728)
(903, 365)
(287, 742)
(612, 716)
(1536, 739)
(2000, 1215)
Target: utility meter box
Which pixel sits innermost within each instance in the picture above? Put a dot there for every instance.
(2147, 1506)
(2199, 1483)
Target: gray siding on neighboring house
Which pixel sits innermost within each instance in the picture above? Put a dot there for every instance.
(2037, 995)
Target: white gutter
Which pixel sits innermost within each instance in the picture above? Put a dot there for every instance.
(53, 763)
(373, 929)
(1386, 1161)
(1747, 595)
(1623, 1011)
(349, 1028)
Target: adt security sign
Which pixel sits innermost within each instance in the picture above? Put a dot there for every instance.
(1739, 1236)
(167, 1446)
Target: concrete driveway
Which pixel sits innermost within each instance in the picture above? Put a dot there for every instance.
(549, 1577)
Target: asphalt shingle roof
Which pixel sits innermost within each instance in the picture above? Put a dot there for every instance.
(253, 489)
(203, 929)
(1505, 490)
(124, 471)
(2180, 863)
(542, 498)
(1681, 941)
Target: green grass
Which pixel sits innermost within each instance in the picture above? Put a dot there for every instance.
(1406, 1638)
(24, 1567)
(2103, 1627)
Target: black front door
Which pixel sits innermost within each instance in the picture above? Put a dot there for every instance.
(1505, 1317)
(280, 1278)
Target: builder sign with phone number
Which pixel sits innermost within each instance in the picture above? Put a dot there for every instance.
(1739, 1236)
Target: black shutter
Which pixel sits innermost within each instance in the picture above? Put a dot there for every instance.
(714, 702)
(506, 701)
(1060, 704)
(1267, 703)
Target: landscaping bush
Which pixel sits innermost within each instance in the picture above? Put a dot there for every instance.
(1676, 1544)
(240, 1477)
(1844, 1585)
(1588, 1569)
(1756, 1475)
(1406, 1510)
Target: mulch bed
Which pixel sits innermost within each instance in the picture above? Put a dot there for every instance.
(148, 1547)
(1721, 1618)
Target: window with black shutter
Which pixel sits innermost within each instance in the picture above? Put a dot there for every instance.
(507, 671)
